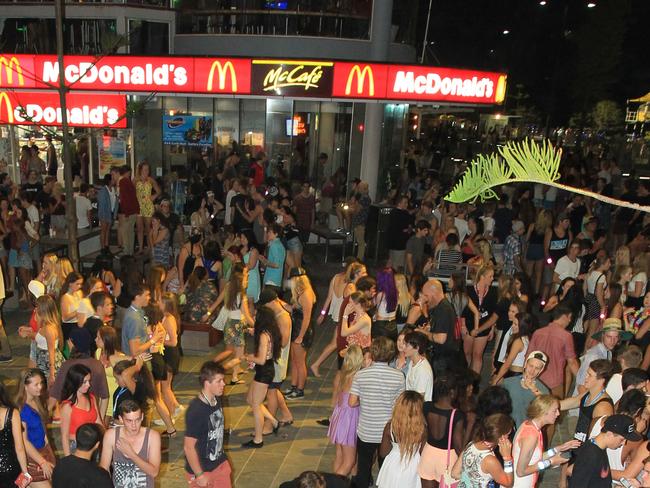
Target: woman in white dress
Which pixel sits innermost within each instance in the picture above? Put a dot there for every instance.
(402, 442)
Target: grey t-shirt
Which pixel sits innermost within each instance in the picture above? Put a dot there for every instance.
(415, 247)
(521, 397)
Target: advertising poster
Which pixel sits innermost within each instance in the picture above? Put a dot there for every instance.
(187, 130)
(112, 152)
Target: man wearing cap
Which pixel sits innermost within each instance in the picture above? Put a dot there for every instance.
(591, 468)
(609, 337)
(512, 249)
(525, 387)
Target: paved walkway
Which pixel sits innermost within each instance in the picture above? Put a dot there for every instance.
(299, 447)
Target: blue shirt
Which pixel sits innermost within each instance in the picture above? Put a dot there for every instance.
(35, 429)
(277, 254)
(134, 326)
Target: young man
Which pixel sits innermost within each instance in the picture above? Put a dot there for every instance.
(629, 358)
(512, 249)
(415, 247)
(375, 389)
(132, 452)
(274, 261)
(129, 209)
(206, 463)
(523, 388)
(77, 469)
(304, 205)
(420, 375)
(591, 467)
(359, 217)
(84, 207)
(399, 229)
(567, 266)
(135, 337)
(103, 306)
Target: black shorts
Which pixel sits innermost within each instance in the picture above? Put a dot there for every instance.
(307, 340)
(158, 367)
(264, 373)
(275, 385)
(172, 358)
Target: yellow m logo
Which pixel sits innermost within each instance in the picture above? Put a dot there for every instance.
(222, 70)
(9, 70)
(8, 107)
(361, 80)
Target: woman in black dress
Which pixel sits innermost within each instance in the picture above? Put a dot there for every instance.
(13, 460)
(484, 298)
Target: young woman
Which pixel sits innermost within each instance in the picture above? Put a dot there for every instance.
(340, 284)
(212, 261)
(404, 300)
(484, 298)
(523, 326)
(459, 299)
(595, 287)
(528, 444)
(239, 317)
(199, 296)
(614, 305)
(79, 406)
(159, 240)
(251, 255)
(48, 275)
(200, 218)
(171, 354)
(622, 275)
(639, 281)
(534, 264)
(49, 338)
(109, 354)
(268, 343)
(384, 323)
(501, 346)
(13, 459)
(189, 257)
(19, 255)
(400, 446)
(291, 238)
(556, 245)
(70, 300)
(357, 331)
(34, 418)
(506, 295)
(401, 362)
(303, 300)
(144, 184)
(478, 465)
(106, 209)
(342, 430)
(445, 428)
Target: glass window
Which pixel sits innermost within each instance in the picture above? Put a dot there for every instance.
(147, 127)
(226, 126)
(253, 125)
(149, 38)
(279, 137)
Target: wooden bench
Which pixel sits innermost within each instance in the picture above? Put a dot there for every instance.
(326, 233)
(194, 341)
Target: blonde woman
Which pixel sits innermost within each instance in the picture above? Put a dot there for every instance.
(303, 300)
(34, 418)
(401, 443)
(64, 268)
(144, 184)
(357, 331)
(342, 430)
(637, 286)
(239, 317)
(49, 275)
(49, 338)
(404, 300)
(170, 322)
(483, 256)
(534, 263)
(528, 444)
(70, 300)
(332, 308)
(484, 298)
(622, 256)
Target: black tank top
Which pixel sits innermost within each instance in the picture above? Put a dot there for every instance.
(558, 246)
(586, 415)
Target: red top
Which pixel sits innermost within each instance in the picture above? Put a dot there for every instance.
(32, 321)
(258, 174)
(557, 343)
(128, 199)
(79, 416)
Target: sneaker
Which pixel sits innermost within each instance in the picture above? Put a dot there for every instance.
(295, 394)
(289, 391)
(158, 422)
(6, 359)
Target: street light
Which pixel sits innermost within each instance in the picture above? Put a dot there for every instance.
(542, 3)
(591, 4)
(506, 32)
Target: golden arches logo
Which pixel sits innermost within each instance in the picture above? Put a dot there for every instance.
(222, 70)
(361, 80)
(10, 65)
(8, 107)
(500, 94)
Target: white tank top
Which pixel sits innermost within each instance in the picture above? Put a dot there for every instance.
(236, 313)
(381, 309)
(520, 358)
(41, 341)
(335, 306)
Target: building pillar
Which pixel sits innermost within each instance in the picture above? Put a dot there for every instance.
(380, 33)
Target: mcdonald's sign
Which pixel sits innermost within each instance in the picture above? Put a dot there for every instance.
(222, 75)
(8, 115)
(13, 71)
(359, 80)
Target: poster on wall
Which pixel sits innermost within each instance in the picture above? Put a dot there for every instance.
(111, 151)
(187, 130)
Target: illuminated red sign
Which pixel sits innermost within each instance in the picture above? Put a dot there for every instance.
(245, 76)
(43, 108)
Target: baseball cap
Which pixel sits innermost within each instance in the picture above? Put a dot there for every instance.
(538, 355)
(267, 295)
(622, 425)
(36, 288)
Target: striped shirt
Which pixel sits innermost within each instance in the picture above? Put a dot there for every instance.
(377, 387)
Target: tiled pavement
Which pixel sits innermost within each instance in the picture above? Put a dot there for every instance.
(299, 447)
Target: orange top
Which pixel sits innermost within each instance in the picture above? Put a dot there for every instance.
(79, 416)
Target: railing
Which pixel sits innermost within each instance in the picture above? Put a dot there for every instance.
(274, 22)
(631, 116)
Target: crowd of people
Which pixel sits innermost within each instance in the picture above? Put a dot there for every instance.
(455, 357)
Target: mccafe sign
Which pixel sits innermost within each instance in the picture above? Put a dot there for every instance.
(291, 78)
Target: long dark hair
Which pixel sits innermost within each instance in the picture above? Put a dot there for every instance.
(143, 377)
(110, 340)
(265, 322)
(73, 381)
(71, 278)
(527, 325)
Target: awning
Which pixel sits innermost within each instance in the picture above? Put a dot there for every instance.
(644, 99)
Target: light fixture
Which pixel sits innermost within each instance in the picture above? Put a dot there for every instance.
(591, 4)
(506, 32)
(542, 3)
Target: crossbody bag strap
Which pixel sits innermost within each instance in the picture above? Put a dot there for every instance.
(451, 432)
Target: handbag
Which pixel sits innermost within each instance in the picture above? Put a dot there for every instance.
(220, 322)
(447, 480)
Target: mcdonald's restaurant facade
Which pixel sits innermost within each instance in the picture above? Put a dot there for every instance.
(182, 110)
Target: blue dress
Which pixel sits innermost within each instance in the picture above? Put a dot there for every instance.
(253, 289)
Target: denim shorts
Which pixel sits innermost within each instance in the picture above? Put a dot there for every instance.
(294, 244)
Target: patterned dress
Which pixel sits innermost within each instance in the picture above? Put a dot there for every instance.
(143, 192)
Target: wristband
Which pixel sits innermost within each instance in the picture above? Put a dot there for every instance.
(551, 452)
(198, 475)
(323, 312)
(208, 313)
(542, 465)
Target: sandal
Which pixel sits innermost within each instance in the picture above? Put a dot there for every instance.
(168, 435)
(284, 423)
(252, 444)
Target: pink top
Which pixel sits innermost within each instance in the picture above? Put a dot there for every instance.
(557, 343)
(527, 429)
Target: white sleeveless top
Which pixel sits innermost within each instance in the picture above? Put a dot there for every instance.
(520, 358)
(41, 341)
(236, 313)
(335, 307)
